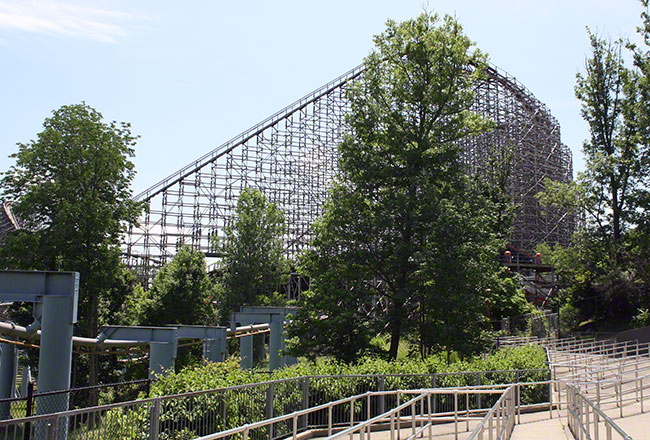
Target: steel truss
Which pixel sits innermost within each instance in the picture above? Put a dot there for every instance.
(292, 158)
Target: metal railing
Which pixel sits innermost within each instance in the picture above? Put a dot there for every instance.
(499, 422)
(204, 412)
(584, 418)
(417, 413)
(43, 403)
(595, 376)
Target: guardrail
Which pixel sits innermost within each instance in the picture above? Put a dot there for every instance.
(499, 422)
(417, 413)
(584, 418)
(204, 412)
(596, 376)
(608, 374)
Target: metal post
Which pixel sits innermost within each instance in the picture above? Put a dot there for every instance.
(382, 398)
(29, 410)
(7, 377)
(154, 420)
(641, 394)
(435, 398)
(550, 394)
(55, 360)
(217, 348)
(478, 384)
(161, 357)
(269, 407)
(456, 414)
(467, 410)
(276, 338)
(246, 352)
(305, 399)
(518, 390)
(26, 379)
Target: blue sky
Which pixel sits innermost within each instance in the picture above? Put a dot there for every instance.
(190, 75)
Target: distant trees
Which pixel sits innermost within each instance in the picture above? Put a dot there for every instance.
(71, 190)
(405, 228)
(253, 262)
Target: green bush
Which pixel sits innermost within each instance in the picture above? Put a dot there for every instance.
(192, 416)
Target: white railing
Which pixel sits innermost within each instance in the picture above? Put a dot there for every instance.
(499, 422)
(417, 413)
(584, 418)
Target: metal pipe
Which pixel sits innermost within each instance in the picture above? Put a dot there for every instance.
(7, 328)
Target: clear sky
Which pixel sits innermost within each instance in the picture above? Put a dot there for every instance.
(189, 75)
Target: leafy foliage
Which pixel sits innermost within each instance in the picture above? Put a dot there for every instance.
(407, 241)
(605, 268)
(253, 263)
(181, 293)
(325, 379)
(70, 189)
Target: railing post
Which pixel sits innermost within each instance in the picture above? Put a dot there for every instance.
(518, 390)
(329, 420)
(268, 413)
(368, 413)
(154, 420)
(30, 409)
(52, 428)
(478, 384)
(620, 395)
(382, 398)
(641, 394)
(305, 399)
(467, 410)
(429, 407)
(490, 426)
(456, 414)
(435, 398)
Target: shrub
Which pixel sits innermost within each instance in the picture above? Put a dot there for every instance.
(192, 416)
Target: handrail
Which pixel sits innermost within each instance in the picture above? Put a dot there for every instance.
(152, 400)
(490, 414)
(621, 383)
(574, 416)
(420, 395)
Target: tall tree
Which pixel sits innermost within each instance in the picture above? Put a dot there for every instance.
(608, 93)
(405, 222)
(605, 263)
(253, 263)
(71, 191)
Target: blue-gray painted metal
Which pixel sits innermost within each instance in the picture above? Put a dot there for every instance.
(275, 317)
(7, 377)
(214, 339)
(55, 296)
(162, 341)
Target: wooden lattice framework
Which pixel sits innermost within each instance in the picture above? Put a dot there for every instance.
(292, 158)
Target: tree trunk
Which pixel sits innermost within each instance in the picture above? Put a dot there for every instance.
(395, 330)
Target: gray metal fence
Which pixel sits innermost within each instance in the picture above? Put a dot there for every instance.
(195, 414)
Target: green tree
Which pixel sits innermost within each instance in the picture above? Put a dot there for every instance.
(604, 268)
(181, 293)
(71, 191)
(405, 225)
(253, 264)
